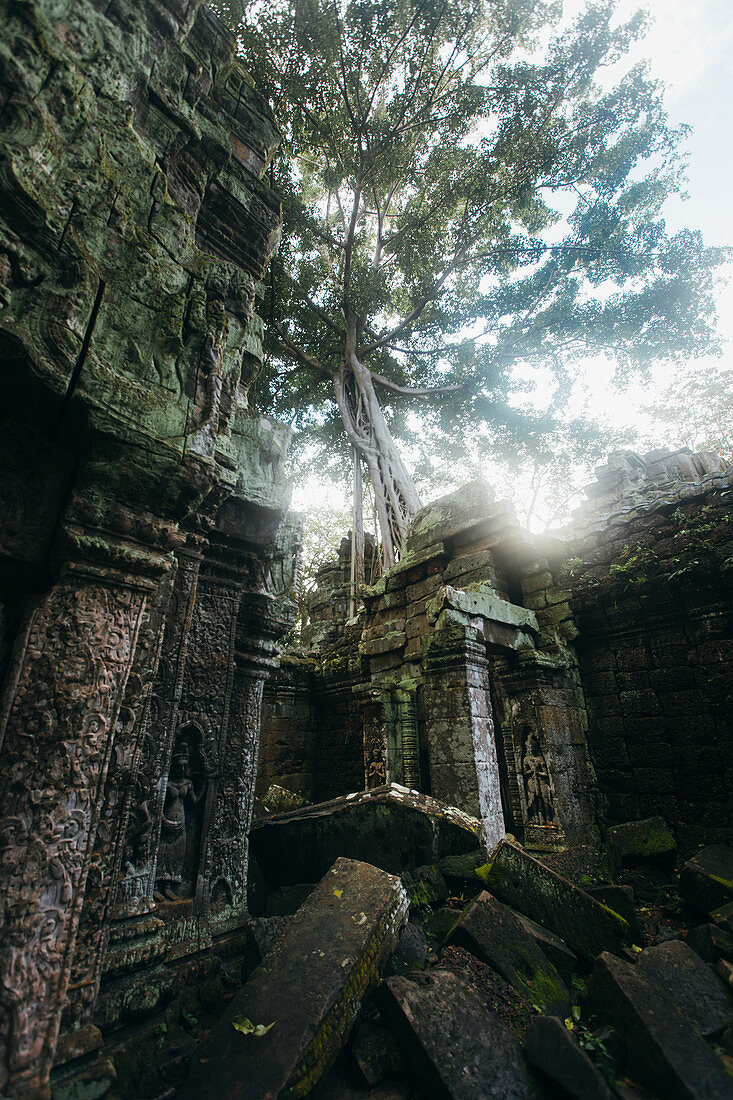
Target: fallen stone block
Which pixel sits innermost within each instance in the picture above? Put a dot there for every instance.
(691, 984)
(307, 990)
(457, 1049)
(493, 933)
(412, 950)
(426, 887)
(663, 1050)
(376, 1053)
(706, 880)
(557, 951)
(389, 827)
(641, 843)
(724, 969)
(460, 871)
(264, 933)
(621, 900)
(587, 926)
(551, 1047)
(711, 942)
(723, 917)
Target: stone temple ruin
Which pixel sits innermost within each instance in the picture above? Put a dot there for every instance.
(475, 772)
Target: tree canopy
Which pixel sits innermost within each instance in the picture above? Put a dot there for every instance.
(462, 194)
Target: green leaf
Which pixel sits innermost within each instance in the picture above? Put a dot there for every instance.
(241, 1023)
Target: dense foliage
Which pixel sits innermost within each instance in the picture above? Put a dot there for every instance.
(462, 195)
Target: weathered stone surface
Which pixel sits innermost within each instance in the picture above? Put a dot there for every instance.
(412, 950)
(456, 1048)
(711, 942)
(706, 880)
(494, 933)
(636, 843)
(694, 988)
(264, 932)
(551, 1047)
(546, 897)
(425, 887)
(723, 917)
(134, 227)
(663, 1050)
(377, 1053)
(557, 951)
(621, 900)
(389, 826)
(309, 986)
(461, 870)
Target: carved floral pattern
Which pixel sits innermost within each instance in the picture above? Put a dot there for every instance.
(63, 697)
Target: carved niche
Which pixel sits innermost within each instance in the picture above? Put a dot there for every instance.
(538, 786)
(179, 848)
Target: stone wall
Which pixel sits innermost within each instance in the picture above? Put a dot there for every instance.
(145, 563)
(550, 685)
(650, 590)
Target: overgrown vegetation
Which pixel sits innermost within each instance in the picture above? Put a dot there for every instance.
(463, 197)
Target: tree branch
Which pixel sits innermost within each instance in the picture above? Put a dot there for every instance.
(416, 391)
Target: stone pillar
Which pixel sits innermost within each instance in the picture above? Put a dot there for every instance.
(61, 704)
(464, 769)
(227, 854)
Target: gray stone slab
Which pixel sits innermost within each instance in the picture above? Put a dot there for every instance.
(706, 880)
(711, 942)
(494, 933)
(563, 959)
(389, 827)
(551, 1047)
(458, 1050)
(664, 1051)
(587, 926)
(642, 843)
(309, 986)
(698, 993)
(621, 900)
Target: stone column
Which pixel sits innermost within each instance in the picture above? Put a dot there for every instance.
(464, 769)
(61, 704)
(227, 852)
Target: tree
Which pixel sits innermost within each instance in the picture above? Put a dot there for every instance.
(456, 203)
(695, 410)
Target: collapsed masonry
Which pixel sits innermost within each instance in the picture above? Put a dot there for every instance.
(146, 561)
(546, 685)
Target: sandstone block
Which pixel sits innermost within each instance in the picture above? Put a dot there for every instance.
(636, 843)
(389, 826)
(376, 1053)
(695, 989)
(663, 1050)
(706, 880)
(494, 933)
(711, 942)
(550, 1046)
(587, 926)
(457, 1049)
(621, 900)
(557, 951)
(309, 987)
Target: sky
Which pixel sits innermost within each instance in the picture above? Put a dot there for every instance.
(690, 49)
(689, 45)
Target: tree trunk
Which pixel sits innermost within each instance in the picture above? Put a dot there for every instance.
(394, 492)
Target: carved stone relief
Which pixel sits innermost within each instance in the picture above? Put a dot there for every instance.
(62, 701)
(539, 791)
